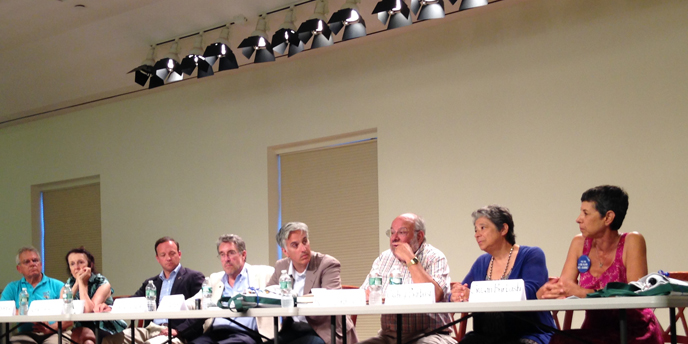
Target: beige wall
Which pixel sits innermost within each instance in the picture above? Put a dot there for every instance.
(522, 103)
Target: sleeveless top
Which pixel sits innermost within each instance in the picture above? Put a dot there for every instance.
(643, 326)
(615, 273)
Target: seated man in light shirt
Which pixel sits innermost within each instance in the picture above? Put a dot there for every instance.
(172, 280)
(39, 287)
(236, 277)
(309, 270)
(418, 262)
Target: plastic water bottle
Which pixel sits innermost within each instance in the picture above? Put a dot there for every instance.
(67, 297)
(207, 294)
(151, 293)
(23, 302)
(395, 276)
(286, 289)
(285, 283)
(375, 283)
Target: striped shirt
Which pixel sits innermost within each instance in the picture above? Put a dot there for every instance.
(435, 264)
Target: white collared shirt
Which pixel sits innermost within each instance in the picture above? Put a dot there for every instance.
(299, 285)
(241, 284)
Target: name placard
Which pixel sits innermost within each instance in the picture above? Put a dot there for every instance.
(7, 308)
(130, 305)
(46, 307)
(172, 303)
(497, 291)
(338, 297)
(410, 294)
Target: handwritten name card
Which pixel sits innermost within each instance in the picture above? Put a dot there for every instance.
(7, 308)
(130, 305)
(46, 307)
(338, 297)
(410, 294)
(497, 291)
(172, 303)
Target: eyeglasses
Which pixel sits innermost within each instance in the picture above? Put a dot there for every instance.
(223, 255)
(30, 261)
(402, 232)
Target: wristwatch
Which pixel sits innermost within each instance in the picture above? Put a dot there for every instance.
(413, 261)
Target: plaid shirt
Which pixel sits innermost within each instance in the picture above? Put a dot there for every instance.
(435, 264)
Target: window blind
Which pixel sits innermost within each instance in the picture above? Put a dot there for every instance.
(71, 218)
(334, 191)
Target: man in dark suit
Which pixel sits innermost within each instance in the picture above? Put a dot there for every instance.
(173, 280)
(309, 270)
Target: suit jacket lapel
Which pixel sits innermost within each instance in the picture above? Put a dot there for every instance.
(177, 282)
(310, 274)
(158, 288)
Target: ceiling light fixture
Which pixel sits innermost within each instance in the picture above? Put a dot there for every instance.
(468, 4)
(286, 36)
(195, 59)
(258, 43)
(349, 17)
(220, 51)
(316, 27)
(167, 69)
(145, 70)
(393, 13)
(429, 9)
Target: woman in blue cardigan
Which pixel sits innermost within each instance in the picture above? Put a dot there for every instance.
(494, 232)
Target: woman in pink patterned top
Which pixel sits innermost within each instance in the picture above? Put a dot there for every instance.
(600, 254)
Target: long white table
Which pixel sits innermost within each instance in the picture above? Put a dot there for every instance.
(620, 303)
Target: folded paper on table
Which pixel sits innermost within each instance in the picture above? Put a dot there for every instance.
(46, 307)
(410, 294)
(338, 297)
(172, 303)
(497, 291)
(130, 305)
(7, 308)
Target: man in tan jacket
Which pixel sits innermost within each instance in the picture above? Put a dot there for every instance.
(309, 270)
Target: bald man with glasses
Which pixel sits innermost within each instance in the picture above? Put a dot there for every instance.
(418, 262)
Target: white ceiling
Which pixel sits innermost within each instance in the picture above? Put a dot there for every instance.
(57, 54)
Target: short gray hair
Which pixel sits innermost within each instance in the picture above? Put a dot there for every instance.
(26, 249)
(418, 224)
(287, 229)
(499, 216)
(232, 238)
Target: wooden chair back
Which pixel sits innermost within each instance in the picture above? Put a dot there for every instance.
(459, 332)
(353, 317)
(680, 315)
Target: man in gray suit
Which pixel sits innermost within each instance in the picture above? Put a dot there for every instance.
(309, 270)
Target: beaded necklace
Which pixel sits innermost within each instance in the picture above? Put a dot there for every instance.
(504, 275)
